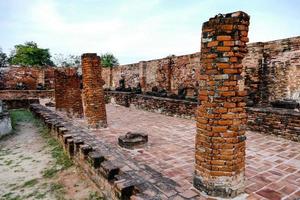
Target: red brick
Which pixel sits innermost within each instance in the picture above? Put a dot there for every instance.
(223, 38)
(227, 93)
(223, 48)
(93, 93)
(213, 44)
(228, 43)
(223, 65)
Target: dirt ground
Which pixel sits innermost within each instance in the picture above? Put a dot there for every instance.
(28, 169)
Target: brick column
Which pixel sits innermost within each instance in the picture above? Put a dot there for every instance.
(60, 90)
(221, 117)
(93, 93)
(67, 92)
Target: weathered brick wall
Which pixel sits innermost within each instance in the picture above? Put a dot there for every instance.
(185, 71)
(93, 93)
(30, 76)
(263, 65)
(275, 121)
(167, 73)
(272, 70)
(221, 117)
(252, 73)
(25, 94)
(68, 92)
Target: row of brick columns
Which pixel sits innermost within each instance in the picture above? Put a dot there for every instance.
(221, 117)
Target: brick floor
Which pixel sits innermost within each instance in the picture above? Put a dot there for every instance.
(272, 163)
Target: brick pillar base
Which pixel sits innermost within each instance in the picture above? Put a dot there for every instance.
(93, 93)
(221, 117)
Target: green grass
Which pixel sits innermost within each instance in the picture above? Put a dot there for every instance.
(30, 183)
(58, 190)
(20, 115)
(50, 172)
(95, 196)
(9, 196)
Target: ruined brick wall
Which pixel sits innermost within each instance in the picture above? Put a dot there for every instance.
(185, 71)
(221, 117)
(30, 76)
(264, 66)
(166, 73)
(130, 72)
(252, 73)
(25, 94)
(275, 121)
(272, 70)
(68, 92)
(93, 93)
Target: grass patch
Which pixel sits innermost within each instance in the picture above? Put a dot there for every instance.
(39, 195)
(9, 196)
(57, 152)
(95, 196)
(8, 162)
(30, 183)
(51, 172)
(56, 186)
(58, 190)
(20, 115)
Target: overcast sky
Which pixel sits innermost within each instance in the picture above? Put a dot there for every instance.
(135, 30)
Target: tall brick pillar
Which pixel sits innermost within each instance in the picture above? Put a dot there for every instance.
(221, 116)
(93, 93)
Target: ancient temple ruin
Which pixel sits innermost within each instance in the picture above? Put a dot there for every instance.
(220, 123)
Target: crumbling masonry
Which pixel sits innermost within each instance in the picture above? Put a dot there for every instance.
(221, 117)
(68, 92)
(93, 93)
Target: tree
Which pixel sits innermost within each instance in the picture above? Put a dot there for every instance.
(3, 59)
(109, 60)
(61, 60)
(29, 54)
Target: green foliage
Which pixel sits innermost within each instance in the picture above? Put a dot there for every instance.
(109, 60)
(29, 54)
(3, 59)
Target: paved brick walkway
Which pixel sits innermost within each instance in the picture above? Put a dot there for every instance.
(272, 163)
